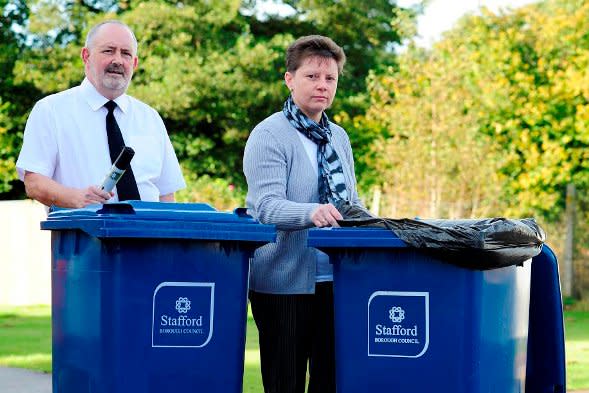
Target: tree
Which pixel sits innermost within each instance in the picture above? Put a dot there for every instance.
(430, 158)
(211, 69)
(533, 67)
(518, 82)
(199, 67)
(12, 98)
(367, 31)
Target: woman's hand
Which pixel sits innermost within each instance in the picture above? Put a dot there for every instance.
(326, 216)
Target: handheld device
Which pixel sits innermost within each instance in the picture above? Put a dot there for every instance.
(118, 169)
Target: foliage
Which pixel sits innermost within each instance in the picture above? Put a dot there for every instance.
(221, 194)
(13, 99)
(492, 119)
(8, 146)
(363, 29)
(532, 66)
(428, 156)
(212, 69)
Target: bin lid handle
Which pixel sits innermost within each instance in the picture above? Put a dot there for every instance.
(241, 212)
(116, 208)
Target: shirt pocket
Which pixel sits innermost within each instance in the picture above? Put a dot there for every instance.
(148, 158)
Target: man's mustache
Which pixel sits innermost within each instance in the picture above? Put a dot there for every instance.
(115, 68)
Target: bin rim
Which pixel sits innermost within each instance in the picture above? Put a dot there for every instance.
(354, 237)
(138, 219)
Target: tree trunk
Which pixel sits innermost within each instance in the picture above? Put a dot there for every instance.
(569, 244)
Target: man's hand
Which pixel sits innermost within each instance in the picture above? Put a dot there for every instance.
(91, 195)
(49, 192)
(167, 198)
(326, 216)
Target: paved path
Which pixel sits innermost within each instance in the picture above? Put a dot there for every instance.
(18, 380)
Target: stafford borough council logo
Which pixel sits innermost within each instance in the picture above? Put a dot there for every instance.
(183, 314)
(396, 314)
(398, 324)
(182, 305)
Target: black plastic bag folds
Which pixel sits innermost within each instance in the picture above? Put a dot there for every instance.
(475, 243)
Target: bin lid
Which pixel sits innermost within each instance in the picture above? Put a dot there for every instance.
(137, 219)
(354, 237)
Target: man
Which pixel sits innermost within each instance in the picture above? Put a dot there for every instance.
(65, 153)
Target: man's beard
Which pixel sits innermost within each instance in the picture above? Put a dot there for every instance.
(115, 82)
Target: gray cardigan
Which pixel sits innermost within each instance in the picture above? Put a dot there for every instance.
(283, 190)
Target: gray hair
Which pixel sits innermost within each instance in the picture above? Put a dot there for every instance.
(94, 30)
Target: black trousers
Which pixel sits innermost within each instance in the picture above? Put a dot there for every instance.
(295, 330)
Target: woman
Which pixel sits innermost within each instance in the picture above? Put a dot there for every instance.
(298, 165)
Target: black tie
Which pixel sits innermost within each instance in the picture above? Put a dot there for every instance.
(127, 186)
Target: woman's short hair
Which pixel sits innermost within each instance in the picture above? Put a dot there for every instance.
(314, 45)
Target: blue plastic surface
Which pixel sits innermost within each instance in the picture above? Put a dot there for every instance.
(546, 357)
(406, 322)
(150, 298)
(138, 219)
(354, 237)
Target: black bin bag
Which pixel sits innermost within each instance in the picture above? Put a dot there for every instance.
(487, 243)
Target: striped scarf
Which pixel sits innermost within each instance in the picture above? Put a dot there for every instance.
(332, 186)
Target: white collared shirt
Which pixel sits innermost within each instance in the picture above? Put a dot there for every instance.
(65, 139)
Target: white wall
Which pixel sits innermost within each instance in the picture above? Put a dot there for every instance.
(25, 256)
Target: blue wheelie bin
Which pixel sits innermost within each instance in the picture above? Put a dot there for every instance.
(407, 322)
(150, 297)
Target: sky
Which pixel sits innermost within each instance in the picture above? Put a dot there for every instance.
(440, 15)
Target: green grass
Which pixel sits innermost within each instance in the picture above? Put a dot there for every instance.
(25, 341)
(577, 349)
(252, 379)
(25, 337)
